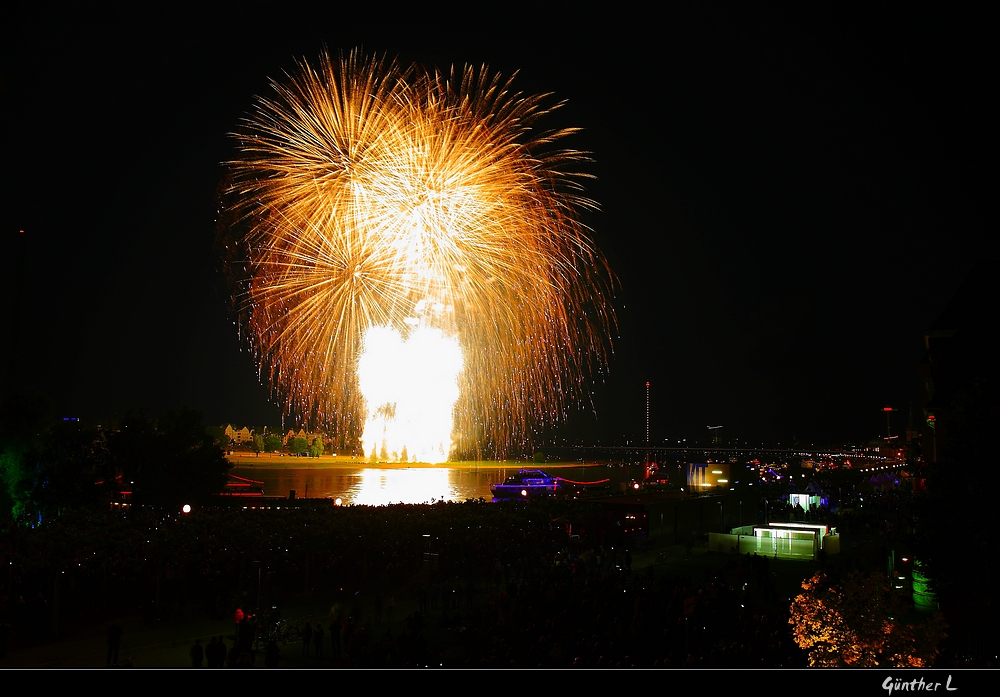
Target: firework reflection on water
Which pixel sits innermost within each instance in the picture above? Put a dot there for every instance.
(380, 486)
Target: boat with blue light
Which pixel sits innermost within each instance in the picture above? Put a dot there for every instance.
(536, 483)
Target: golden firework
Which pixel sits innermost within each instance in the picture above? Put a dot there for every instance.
(366, 196)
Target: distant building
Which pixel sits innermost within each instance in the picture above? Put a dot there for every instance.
(705, 476)
(301, 433)
(809, 496)
(243, 435)
(959, 367)
(778, 540)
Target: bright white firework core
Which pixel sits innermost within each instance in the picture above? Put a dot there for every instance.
(410, 388)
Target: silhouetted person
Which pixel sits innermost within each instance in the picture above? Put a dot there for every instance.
(222, 654)
(335, 637)
(238, 618)
(114, 643)
(212, 653)
(272, 654)
(307, 635)
(318, 640)
(197, 654)
(246, 631)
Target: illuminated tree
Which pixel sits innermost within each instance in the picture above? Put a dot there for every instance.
(23, 417)
(272, 443)
(860, 624)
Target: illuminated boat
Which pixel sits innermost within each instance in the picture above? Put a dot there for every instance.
(241, 486)
(535, 483)
(524, 484)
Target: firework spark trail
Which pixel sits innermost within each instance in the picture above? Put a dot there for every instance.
(367, 195)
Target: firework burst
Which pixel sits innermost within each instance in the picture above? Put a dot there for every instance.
(405, 242)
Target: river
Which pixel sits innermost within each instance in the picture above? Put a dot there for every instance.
(374, 485)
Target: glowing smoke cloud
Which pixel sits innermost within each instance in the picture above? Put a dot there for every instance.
(410, 387)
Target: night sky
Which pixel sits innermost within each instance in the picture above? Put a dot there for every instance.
(788, 198)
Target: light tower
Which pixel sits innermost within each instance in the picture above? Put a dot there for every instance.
(888, 412)
(647, 422)
(647, 412)
(715, 433)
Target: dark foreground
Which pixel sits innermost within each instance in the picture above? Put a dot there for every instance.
(470, 585)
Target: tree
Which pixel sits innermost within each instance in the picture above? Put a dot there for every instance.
(297, 446)
(316, 449)
(219, 434)
(24, 417)
(861, 624)
(258, 444)
(272, 443)
(71, 468)
(14, 481)
(171, 461)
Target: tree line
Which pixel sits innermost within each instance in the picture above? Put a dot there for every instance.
(49, 466)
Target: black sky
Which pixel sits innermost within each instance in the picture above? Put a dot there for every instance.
(788, 196)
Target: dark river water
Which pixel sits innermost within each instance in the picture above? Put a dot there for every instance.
(377, 486)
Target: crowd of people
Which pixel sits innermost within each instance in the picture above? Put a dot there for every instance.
(471, 584)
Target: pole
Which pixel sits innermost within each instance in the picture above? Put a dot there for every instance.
(258, 587)
(647, 422)
(647, 412)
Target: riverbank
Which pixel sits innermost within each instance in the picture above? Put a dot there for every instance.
(280, 461)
